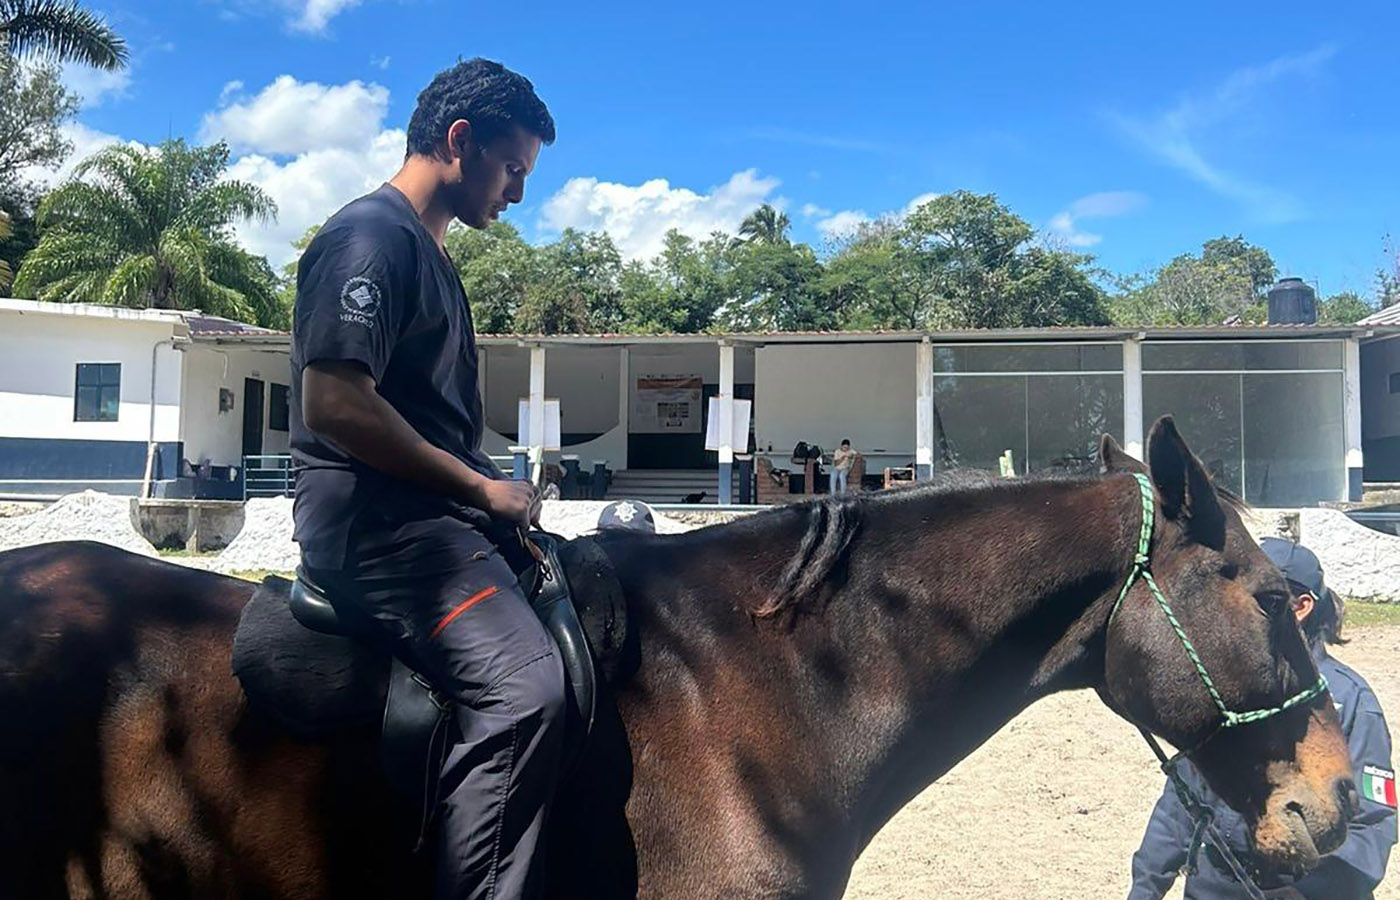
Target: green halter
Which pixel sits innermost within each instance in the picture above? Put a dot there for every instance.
(1142, 569)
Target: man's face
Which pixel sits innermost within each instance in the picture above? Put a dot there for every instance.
(492, 177)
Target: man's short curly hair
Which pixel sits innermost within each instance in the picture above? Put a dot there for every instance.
(485, 93)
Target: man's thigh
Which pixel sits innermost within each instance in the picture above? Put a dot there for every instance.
(449, 603)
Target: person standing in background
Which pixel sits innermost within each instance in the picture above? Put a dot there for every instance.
(841, 462)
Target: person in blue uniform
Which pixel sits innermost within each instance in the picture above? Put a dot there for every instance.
(401, 517)
(1354, 870)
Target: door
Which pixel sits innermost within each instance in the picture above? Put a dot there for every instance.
(252, 417)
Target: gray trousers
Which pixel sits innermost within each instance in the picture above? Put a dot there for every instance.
(449, 605)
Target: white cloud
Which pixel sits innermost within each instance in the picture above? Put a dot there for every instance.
(1064, 225)
(639, 216)
(813, 211)
(95, 86)
(918, 202)
(1175, 136)
(837, 225)
(312, 16)
(843, 223)
(86, 141)
(381, 62)
(289, 117)
(311, 187)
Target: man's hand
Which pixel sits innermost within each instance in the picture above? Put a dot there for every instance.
(516, 502)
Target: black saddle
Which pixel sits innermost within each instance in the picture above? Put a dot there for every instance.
(332, 673)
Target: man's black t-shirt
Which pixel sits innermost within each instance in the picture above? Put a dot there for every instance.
(374, 288)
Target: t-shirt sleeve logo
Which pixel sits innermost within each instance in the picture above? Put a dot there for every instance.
(360, 299)
(1378, 785)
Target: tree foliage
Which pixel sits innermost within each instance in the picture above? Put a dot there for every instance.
(59, 31)
(151, 227)
(1227, 281)
(34, 105)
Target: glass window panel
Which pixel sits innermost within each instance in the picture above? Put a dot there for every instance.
(1207, 412)
(108, 402)
(278, 409)
(1068, 415)
(975, 420)
(110, 374)
(85, 405)
(1036, 358)
(1293, 439)
(1239, 355)
(87, 375)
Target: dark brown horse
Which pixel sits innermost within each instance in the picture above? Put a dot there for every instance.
(803, 674)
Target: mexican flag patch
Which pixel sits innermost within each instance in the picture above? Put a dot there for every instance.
(1378, 785)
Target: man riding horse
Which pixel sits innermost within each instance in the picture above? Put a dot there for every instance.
(399, 513)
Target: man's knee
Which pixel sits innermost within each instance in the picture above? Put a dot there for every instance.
(536, 692)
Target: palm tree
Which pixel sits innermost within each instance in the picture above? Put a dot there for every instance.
(141, 227)
(766, 225)
(6, 231)
(59, 30)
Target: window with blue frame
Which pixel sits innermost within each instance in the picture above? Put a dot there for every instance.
(97, 393)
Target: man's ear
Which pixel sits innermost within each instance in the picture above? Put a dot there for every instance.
(459, 139)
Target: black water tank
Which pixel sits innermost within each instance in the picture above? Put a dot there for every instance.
(1292, 302)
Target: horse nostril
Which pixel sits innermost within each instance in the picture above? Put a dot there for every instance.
(1346, 791)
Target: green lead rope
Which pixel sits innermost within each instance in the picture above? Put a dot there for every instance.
(1142, 570)
(1204, 830)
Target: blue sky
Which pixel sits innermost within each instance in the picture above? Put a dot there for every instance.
(1129, 133)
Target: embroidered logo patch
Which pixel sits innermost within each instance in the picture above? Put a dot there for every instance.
(1378, 785)
(360, 299)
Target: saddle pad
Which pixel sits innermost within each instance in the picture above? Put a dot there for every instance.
(309, 683)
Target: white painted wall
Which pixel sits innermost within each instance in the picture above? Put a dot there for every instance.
(39, 354)
(214, 437)
(824, 393)
(1380, 409)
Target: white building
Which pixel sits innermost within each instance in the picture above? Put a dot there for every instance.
(1275, 412)
(110, 398)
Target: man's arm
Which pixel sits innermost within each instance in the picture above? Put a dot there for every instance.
(341, 403)
(1163, 850)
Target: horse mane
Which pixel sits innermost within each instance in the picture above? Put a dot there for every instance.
(833, 522)
(831, 525)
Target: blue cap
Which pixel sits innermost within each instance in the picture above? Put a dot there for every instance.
(1298, 564)
(634, 515)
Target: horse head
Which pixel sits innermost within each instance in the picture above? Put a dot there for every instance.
(1245, 709)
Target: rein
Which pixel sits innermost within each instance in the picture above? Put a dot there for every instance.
(1196, 808)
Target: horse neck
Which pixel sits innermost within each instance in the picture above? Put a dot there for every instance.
(948, 614)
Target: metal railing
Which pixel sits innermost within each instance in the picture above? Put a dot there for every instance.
(268, 475)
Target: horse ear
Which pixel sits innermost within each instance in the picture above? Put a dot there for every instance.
(1113, 458)
(1186, 491)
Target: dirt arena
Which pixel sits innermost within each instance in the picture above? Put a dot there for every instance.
(1054, 805)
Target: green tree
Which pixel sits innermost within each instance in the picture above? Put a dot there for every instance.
(151, 227)
(1227, 281)
(961, 260)
(59, 31)
(1237, 253)
(765, 225)
(578, 289)
(777, 288)
(7, 231)
(34, 105)
(683, 288)
(1388, 277)
(287, 292)
(1346, 308)
(498, 271)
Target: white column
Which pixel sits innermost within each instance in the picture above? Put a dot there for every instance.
(726, 422)
(1132, 398)
(624, 402)
(537, 411)
(1351, 410)
(923, 412)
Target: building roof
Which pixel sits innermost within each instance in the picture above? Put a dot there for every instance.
(217, 330)
(1388, 316)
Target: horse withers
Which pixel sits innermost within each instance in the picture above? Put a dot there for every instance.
(802, 674)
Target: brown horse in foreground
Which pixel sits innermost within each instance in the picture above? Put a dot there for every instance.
(804, 673)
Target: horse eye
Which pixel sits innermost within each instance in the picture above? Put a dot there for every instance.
(1272, 602)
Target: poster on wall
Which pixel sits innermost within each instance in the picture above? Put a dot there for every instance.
(740, 432)
(667, 404)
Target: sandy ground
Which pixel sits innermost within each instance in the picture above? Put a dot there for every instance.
(1054, 805)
